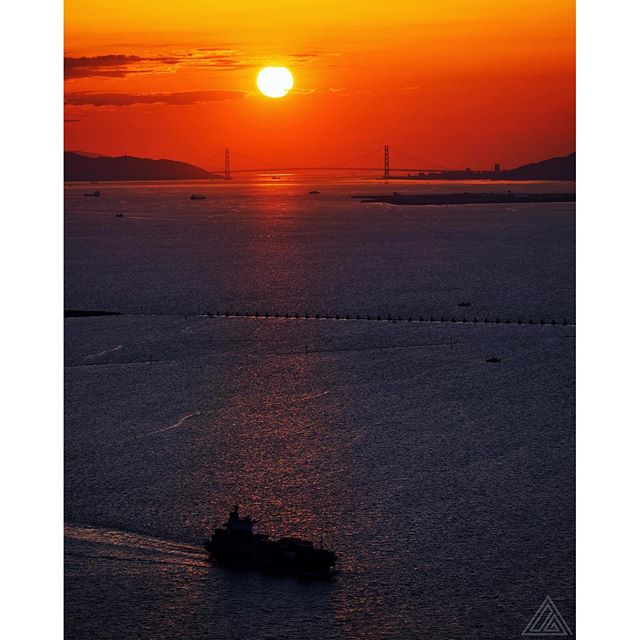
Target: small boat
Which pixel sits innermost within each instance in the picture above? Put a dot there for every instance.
(236, 545)
(198, 196)
(119, 215)
(95, 194)
(464, 304)
(492, 359)
(314, 192)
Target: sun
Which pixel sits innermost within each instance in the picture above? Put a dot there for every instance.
(275, 82)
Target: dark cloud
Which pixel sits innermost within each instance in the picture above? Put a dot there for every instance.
(304, 56)
(207, 57)
(127, 99)
(112, 65)
(118, 66)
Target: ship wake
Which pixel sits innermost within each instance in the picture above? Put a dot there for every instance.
(123, 546)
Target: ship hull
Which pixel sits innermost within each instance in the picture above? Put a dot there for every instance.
(271, 561)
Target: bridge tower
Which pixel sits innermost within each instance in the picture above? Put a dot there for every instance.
(227, 165)
(386, 161)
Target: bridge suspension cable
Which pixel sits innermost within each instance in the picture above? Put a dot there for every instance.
(360, 157)
(266, 165)
(421, 161)
(250, 159)
(211, 157)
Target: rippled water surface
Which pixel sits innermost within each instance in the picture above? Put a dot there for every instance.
(444, 483)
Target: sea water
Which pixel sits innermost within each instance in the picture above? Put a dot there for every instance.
(444, 483)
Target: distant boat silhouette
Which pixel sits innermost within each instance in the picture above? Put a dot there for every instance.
(492, 359)
(314, 192)
(119, 215)
(464, 304)
(95, 194)
(198, 196)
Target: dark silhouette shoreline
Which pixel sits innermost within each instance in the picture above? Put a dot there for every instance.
(559, 168)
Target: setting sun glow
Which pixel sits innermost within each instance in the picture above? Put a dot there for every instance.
(461, 84)
(275, 82)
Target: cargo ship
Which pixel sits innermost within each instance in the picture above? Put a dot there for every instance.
(236, 545)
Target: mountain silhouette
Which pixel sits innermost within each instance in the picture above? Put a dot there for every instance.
(81, 167)
(561, 168)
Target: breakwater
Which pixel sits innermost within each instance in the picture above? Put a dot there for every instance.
(468, 198)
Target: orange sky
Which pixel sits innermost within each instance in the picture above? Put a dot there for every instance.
(461, 83)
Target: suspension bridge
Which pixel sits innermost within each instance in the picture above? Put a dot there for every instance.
(352, 164)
